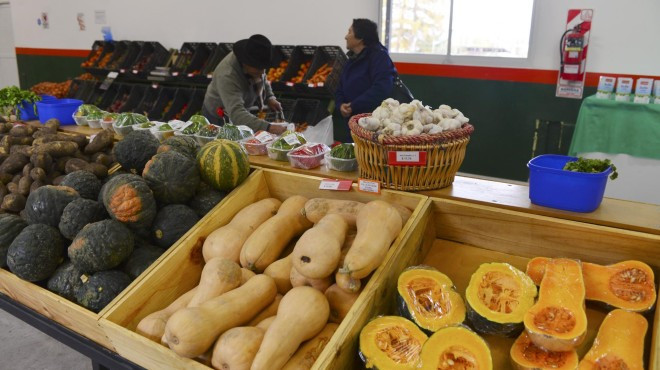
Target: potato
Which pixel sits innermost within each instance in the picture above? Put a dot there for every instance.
(58, 148)
(102, 158)
(3, 156)
(41, 160)
(23, 149)
(20, 130)
(13, 203)
(53, 123)
(27, 168)
(36, 185)
(5, 142)
(78, 154)
(17, 178)
(44, 131)
(12, 187)
(58, 180)
(14, 163)
(97, 169)
(24, 185)
(3, 128)
(37, 174)
(5, 178)
(61, 163)
(75, 164)
(3, 190)
(22, 140)
(100, 142)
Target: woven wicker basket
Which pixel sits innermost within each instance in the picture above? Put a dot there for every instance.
(444, 154)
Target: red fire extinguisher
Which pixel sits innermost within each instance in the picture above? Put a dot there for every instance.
(573, 52)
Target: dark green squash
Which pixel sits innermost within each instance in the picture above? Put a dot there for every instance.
(10, 227)
(84, 182)
(205, 200)
(182, 144)
(66, 281)
(79, 213)
(129, 200)
(36, 252)
(172, 176)
(171, 223)
(140, 259)
(46, 204)
(101, 246)
(101, 288)
(135, 150)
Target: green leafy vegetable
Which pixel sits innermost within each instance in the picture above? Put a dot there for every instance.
(282, 144)
(343, 151)
(165, 127)
(591, 166)
(11, 97)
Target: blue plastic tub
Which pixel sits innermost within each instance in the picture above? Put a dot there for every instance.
(551, 186)
(27, 111)
(62, 109)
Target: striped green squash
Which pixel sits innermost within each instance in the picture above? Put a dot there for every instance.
(223, 164)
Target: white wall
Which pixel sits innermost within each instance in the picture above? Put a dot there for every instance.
(8, 67)
(619, 43)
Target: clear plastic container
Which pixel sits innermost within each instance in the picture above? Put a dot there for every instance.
(122, 130)
(277, 154)
(340, 164)
(203, 140)
(256, 148)
(80, 120)
(94, 123)
(107, 125)
(162, 135)
(307, 162)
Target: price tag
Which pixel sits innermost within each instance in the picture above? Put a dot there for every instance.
(190, 74)
(311, 85)
(341, 185)
(264, 137)
(108, 80)
(320, 84)
(154, 86)
(406, 158)
(122, 70)
(135, 71)
(244, 128)
(175, 74)
(209, 75)
(291, 139)
(289, 83)
(368, 186)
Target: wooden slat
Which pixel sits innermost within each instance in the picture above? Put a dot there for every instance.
(533, 235)
(54, 307)
(376, 298)
(654, 363)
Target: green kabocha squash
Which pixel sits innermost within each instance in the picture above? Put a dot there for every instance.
(10, 227)
(427, 297)
(135, 150)
(79, 213)
(101, 246)
(456, 347)
(182, 144)
(129, 200)
(171, 223)
(391, 342)
(36, 252)
(46, 204)
(66, 281)
(172, 176)
(84, 182)
(101, 288)
(205, 200)
(223, 164)
(141, 259)
(498, 297)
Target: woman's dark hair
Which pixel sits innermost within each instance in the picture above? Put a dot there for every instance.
(365, 30)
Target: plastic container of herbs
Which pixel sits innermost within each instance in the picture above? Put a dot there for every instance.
(207, 134)
(278, 149)
(162, 131)
(342, 158)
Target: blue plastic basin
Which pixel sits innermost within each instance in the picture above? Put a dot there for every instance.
(551, 186)
(62, 109)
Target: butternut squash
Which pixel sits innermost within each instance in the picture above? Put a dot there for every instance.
(558, 321)
(268, 241)
(629, 285)
(348, 284)
(227, 241)
(192, 331)
(302, 314)
(317, 252)
(280, 271)
(218, 276)
(317, 208)
(619, 343)
(298, 279)
(152, 326)
(267, 312)
(378, 224)
(265, 323)
(309, 351)
(340, 302)
(236, 348)
(246, 275)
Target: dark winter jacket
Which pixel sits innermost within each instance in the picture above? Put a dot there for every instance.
(366, 80)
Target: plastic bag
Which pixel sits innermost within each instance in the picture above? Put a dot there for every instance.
(322, 132)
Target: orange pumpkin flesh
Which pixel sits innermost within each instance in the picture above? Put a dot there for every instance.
(525, 355)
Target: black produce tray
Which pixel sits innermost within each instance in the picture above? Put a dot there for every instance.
(332, 55)
(179, 105)
(149, 100)
(307, 110)
(151, 55)
(164, 97)
(138, 92)
(301, 54)
(123, 93)
(195, 104)
(202, 53)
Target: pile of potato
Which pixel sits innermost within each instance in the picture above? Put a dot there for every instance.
(33, 155)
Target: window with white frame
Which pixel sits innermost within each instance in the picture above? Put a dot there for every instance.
(483, 28)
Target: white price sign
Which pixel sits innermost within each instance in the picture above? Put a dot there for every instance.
(264, 137)
(291, 139)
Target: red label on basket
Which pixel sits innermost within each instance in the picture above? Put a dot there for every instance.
(368, 186)
(341, 185)
(397, 158)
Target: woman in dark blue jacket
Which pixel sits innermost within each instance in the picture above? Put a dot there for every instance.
(368, 75)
